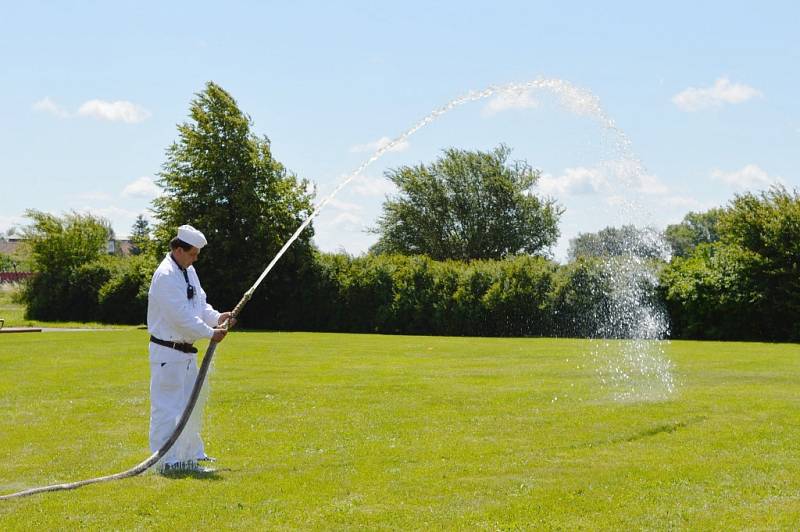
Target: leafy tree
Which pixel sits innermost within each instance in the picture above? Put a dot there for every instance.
(695, 229)
(59, 244)
(616, 242)
(717, 292)
(140, 236)
(224, 180)
(58, 247)
(767, 223)
(467, 205)
(6, 263)
(746, 285)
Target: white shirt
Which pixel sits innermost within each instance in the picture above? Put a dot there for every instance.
(171, 315)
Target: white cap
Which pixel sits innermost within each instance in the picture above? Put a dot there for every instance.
(192, 236)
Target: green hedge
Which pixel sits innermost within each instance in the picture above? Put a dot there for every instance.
(520, 296)
(722, 292)
(394, 294)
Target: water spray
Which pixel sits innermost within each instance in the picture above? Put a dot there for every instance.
(577, 100)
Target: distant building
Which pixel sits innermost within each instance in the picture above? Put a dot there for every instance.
(119, 247)
(10, 245)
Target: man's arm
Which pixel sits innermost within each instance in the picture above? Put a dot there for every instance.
(210, 315)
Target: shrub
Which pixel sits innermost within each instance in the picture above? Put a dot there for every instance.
(123, 299)
(518, 301)
(580, 298)
(84, 287)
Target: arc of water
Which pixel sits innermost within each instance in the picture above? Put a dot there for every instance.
(577, 100)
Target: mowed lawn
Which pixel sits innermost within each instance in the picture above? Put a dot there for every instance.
(13, 314)
(337, 431)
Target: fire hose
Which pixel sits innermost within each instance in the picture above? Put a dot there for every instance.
(156, 456)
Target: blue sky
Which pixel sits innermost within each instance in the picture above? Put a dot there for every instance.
(705, 92)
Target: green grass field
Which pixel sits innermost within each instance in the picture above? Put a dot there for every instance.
(13, 314)
(325, 431)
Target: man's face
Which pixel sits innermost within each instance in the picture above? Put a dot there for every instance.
(186, 258)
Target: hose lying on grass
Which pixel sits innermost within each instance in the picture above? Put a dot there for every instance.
(156, 456)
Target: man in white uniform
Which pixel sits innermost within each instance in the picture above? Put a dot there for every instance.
(177, 316)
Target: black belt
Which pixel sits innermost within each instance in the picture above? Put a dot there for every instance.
(186, 348)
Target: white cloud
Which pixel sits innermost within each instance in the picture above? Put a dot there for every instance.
(651, 185)
(341, 205)
(722, 92)
(379, 144)
(748, 177)
(343, 234)
(9, 222)
(373, 186)
(347, 219)
(121, 219)
(510, 100)
(118, 111)
(144, 187)
(344, 215)
(633, 175)
(575, 182)
(583, 181)
(47, 105)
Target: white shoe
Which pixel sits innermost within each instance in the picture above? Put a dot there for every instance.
(188, 466)
(197, 468)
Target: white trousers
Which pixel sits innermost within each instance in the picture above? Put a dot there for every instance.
(171, 385)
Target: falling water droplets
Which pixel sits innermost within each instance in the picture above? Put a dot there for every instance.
(629, 349)
(635, 365)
